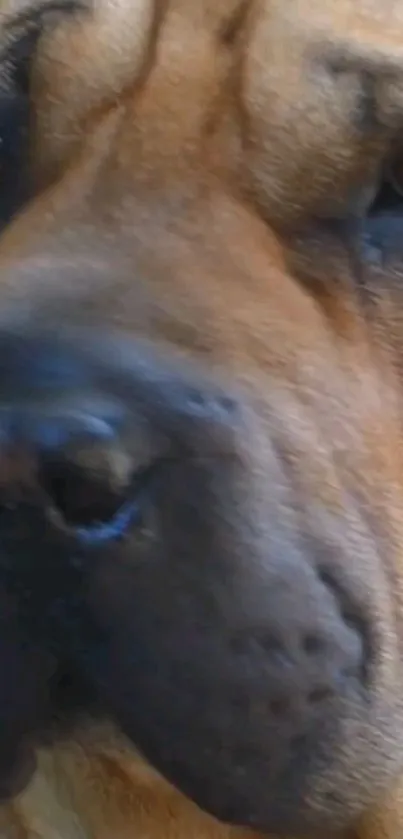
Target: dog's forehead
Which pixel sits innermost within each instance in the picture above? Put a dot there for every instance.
(343, 17)
(117, 34)
(316, 79)
(93, 49)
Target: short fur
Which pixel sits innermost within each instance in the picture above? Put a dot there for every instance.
(200, 174)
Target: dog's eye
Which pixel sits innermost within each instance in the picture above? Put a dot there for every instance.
(13, 140)
(93, 466)
(98, 510)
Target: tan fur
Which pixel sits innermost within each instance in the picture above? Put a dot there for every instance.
(100, 785)
(163, 151)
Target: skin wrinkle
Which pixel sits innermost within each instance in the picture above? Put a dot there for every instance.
(187, 186)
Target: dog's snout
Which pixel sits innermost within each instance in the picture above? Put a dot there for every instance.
(255, 659)
(205, 625)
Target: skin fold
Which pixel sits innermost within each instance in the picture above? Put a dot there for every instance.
(201, 483)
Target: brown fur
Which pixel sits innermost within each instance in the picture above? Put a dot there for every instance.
(192, 143)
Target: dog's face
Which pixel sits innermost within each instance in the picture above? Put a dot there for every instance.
(216, 501)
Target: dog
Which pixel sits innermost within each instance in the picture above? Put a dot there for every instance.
(201, 359)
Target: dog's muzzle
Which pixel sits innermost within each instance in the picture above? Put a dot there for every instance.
(148, 551)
